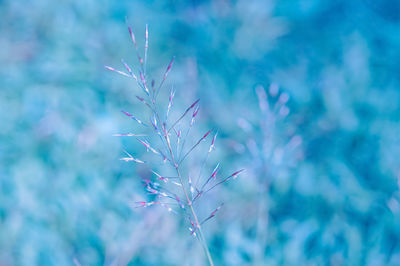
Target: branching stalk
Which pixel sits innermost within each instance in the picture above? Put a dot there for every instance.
(200, 232)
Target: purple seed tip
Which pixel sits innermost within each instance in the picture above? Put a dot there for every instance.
(194, 103)
(205, 135)
(196, 111)
(237, 173)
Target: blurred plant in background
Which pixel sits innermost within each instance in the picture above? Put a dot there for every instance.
(63, 191)
(274, 149)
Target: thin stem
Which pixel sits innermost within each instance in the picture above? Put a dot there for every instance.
(201, 236)
(184, 139)
(201, 170)
(205, 246)
(262, 223)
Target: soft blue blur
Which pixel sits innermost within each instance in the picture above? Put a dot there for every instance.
(321, 185)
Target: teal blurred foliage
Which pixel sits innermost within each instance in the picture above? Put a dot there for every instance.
(64, 193)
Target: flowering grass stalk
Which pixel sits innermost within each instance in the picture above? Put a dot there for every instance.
(173, 190)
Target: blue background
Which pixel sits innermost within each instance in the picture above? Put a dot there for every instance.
(331, 200)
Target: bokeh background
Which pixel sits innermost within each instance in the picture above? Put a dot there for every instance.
(321, 185)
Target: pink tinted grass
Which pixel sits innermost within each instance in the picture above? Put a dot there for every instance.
(148, 147)
(131, 158)
(174, 159)
(194, 146)
(212, 177)
(129, 135)
(212, 214)
(184, 114)
(165, 76)
(195, 112)
(136, 47)
(129, 69)
(210, 149)
(117, 71)
(134, 118)
(202, 192)
(170, 102)
(146, 48)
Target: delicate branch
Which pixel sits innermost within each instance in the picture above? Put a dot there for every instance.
(212, 214)
(117, 71)
(202, 192)
(165, 77)
(195, 145)
(183, 115)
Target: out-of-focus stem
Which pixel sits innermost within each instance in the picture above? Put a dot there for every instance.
(262, 224)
